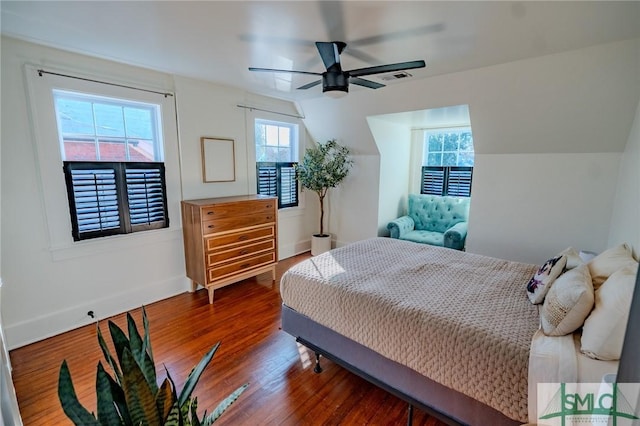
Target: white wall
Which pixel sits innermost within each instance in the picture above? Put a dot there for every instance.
(626, 208)
(48, 290)
(527, 207)
(391, 140)
(575, 103)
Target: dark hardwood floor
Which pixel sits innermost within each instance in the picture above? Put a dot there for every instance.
(245, 317)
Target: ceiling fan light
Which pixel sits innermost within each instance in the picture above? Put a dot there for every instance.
(336, 93)
(335, 85)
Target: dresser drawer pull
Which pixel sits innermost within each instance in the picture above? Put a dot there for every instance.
(245, 265)
(269, 206)
(244, 251)
(211, 226)
(210, 213)
(243, 237)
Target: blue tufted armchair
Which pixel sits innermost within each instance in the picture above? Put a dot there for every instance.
(435, 220)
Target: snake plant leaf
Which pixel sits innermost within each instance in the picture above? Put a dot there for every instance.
(140, 399)
(173, 384)
(107, 392)
(140, 355)
(165, 399)
(147, 340)
(193, 409)
(69, 401)
(174, 418)
(108, 357)
(222, 407)
(194, 376)
(120, 341)
(184, 411)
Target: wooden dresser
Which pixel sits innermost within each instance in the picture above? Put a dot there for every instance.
(229, 239)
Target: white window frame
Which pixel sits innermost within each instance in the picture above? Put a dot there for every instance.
(295, 134)
(158, 151)
(251, 117)
(49, 160)
(425, 150)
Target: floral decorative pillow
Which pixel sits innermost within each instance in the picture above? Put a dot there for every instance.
(540, 283)
(568, 303)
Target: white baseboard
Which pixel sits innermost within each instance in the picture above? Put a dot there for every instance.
(290, 250)
(40, 328)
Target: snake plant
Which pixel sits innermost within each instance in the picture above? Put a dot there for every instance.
(131, 396)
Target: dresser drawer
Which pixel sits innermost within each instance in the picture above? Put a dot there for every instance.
(244, 237)
(246, 264)
(231, 223)
(238, 209)
(239, 252)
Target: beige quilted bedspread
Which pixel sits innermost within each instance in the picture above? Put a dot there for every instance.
(461, 319)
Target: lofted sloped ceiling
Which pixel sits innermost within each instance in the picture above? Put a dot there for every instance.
(218, 40)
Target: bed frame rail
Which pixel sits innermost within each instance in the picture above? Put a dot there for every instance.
(447, 405)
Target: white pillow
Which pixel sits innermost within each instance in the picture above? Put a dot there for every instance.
(540, 283)
(573, 258)
(604, 328)
(606, 263)
(568, 302)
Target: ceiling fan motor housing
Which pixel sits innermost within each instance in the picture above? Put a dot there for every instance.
(335, 81)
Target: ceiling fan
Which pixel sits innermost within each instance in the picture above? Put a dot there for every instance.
(335, 81)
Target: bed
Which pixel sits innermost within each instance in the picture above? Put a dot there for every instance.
(447, 331)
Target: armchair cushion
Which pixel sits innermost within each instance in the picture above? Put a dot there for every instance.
(435, 220)
(455, 236)
(400, 227)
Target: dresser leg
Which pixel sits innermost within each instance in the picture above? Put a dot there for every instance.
(273, 274)
(211, 290)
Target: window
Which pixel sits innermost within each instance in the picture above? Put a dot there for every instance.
(112, 152)
(276, 158)
(93, 128)
(447, 166)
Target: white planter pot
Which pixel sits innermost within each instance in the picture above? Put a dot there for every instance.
(320, 244)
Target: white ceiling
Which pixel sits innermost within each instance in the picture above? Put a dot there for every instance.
(218, 40)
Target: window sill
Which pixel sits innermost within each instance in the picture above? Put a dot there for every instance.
(99, 246)
(290, 212)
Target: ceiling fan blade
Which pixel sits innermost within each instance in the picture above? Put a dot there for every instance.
(290, 71)
(360, 55)
(365, 83)
(333, 18)
(275, 40)
(310, 85)
(397, 35)
(386, 68)
(330, 53)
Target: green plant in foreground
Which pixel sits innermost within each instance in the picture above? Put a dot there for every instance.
(132, 396)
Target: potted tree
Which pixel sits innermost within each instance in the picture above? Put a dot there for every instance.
(323, 166)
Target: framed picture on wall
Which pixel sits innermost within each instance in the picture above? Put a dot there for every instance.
(218, 159)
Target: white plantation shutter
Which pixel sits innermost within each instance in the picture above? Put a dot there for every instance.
(459, 181)
(93, 200)
(278, 179)
(288, 196)
(115, 198)
(267, 179)
(146, 195)
(441, 180)
(432, 180)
